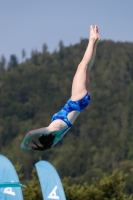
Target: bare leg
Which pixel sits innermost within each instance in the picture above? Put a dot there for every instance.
(79, 89)
(80, 85)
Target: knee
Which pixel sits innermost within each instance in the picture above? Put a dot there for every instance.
(82, 66)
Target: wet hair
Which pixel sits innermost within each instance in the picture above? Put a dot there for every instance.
(45, 140)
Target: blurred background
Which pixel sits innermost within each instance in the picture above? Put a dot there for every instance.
(42, 42)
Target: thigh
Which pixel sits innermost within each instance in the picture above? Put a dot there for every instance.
(80, 85)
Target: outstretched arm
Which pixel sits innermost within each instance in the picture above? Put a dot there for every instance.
(32, 134)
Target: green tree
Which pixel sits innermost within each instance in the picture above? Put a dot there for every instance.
(109, 188)
(33, 190)
(13, 62)
(23, 54)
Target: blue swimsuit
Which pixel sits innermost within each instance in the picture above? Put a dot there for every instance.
(69, 107)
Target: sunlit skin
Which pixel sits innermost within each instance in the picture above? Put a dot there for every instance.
(80, 86)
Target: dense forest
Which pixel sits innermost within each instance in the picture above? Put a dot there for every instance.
(101, 139)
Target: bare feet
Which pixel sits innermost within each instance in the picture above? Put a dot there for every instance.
(94, 33)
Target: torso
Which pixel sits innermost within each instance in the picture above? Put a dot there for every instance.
(63, 120)
(59, 125)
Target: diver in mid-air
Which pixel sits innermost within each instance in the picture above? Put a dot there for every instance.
(63, 120)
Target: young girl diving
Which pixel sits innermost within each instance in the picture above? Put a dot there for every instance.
(63, 120)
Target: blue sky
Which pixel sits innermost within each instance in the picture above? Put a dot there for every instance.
(28, 24)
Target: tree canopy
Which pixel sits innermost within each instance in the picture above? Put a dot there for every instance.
(101, 140)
